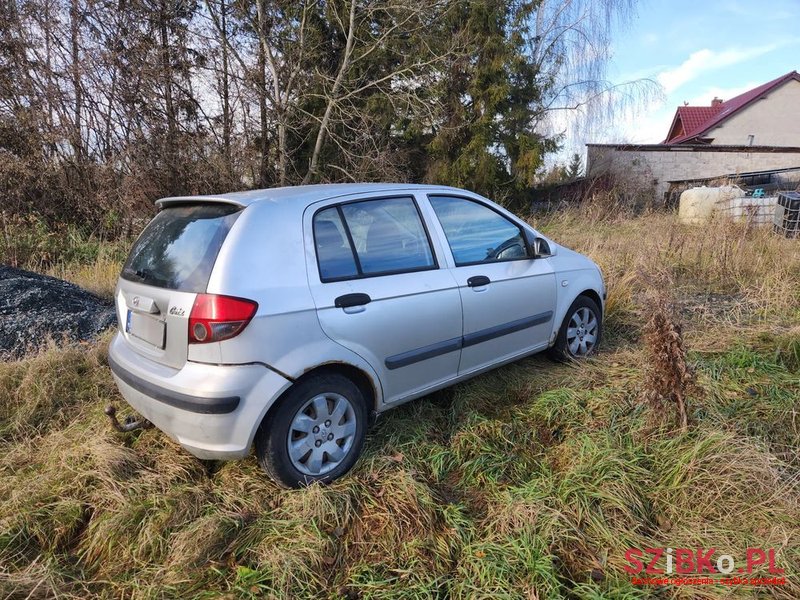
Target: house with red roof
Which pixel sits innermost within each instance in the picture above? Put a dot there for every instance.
(767, 115)
(756, 131)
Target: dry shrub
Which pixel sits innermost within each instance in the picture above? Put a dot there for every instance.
(755, 269)
(668, 378)
(99, 276)
(65, 251)
(623, 197)
(606, 205)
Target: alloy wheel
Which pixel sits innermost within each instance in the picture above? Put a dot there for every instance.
(582, 332)
(321, 434)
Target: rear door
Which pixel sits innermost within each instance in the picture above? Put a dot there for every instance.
(508, 297)
(375, 279)
(169, 264)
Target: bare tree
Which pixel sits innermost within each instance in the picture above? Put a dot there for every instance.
(106, 104)
(570, 44)
(397, 85)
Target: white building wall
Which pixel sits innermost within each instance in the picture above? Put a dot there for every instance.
(772, 121)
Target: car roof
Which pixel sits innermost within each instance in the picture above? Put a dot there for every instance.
(300, 194)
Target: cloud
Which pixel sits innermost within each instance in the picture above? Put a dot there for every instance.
(648, 127)
(754, 10)
(723, 93)
(705, 60)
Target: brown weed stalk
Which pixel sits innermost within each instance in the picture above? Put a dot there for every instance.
(668, 376)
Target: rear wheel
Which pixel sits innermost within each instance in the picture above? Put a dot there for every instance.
(580, 332)
(315, 434)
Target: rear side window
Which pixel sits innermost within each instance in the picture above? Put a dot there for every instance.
(373, 237)
(177, 250)
(336, 260)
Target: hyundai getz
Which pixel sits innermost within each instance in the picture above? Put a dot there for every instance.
(290, 318)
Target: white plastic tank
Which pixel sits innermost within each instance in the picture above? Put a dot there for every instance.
(697, 205)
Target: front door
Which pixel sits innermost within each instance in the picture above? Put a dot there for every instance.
(507, 296)
(379, 291)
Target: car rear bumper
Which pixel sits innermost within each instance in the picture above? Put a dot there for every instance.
(213, 411)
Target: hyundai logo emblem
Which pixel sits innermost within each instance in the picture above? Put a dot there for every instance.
(136, 300)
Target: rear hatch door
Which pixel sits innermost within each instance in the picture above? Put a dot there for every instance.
(168, 266)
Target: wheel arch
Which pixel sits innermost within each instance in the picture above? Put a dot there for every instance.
(365, 383)
(559, 353)
(593, 296)
(566, 296)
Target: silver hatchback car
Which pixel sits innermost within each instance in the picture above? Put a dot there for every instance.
(291, 317)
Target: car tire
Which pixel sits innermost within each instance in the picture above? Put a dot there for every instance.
(580, 333)
(315, 434)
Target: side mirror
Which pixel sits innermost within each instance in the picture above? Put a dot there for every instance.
(541, 248)
(538, 245)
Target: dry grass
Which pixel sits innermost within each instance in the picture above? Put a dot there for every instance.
(99, 277)
(756, 270)
(528, 482)
(67, 253)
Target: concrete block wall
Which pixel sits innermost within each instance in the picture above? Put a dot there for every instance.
(658, 164)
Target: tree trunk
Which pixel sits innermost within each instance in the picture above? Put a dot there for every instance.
(50, 94)
(170, 145)
(332, 97)
(262, 96)
(74, 30)
(226, 107)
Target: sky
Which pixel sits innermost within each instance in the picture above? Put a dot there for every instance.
(699, 49)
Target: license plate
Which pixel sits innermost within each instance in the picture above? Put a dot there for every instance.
(146, 328)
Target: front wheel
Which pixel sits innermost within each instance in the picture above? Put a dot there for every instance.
(315, 434)
(580, 332)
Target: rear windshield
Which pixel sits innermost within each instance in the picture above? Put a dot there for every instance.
(177, 250)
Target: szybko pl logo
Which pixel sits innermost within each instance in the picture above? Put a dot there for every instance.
(684, 561)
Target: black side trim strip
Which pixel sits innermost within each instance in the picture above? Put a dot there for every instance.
(424, 353)
(500, 330)
(439, 348)
(196, 404)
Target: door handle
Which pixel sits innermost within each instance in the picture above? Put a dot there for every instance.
(478, 281)
(349, 300)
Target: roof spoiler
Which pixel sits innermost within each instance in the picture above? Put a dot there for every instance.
(177, 200)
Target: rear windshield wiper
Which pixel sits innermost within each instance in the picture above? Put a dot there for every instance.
(142, 274)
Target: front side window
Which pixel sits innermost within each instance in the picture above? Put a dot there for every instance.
(372, 237)
(476, 233)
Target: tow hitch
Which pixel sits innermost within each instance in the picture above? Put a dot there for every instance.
(130, 423)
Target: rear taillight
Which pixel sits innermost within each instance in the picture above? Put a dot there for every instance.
(216, 318)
